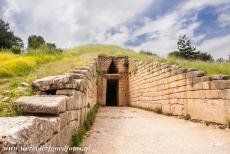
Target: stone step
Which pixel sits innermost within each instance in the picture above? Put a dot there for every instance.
(41, 104)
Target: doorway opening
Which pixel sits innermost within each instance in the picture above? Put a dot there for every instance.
(112, 68)
(112, 93)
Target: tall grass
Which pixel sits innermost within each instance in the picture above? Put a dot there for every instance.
(20, 65)
(210, 68)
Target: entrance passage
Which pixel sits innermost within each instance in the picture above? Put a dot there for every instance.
(112, 93)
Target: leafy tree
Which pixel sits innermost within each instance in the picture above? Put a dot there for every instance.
(35, 41)
(184, 44)
(220, 60)
(7, 37)
(51, 45)
(16, 50)
(187, 51)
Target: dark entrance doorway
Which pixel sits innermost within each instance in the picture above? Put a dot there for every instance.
(112, 93)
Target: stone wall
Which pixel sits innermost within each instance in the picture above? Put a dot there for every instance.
(58, 109)
(122, 77)
(179, 91)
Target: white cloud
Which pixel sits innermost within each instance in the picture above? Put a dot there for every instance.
(171, 25)
(70, 22)
(218, 47)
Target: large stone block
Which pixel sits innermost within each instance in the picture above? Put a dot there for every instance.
(166, 108)
(220, 84)
(226, 94)
(194, 74)
(59, 82)
(52, 82)
(207, 109)
(73, 115)
(75, 99)
(41, 104)
(64, 119)
(177, 109)
(26, 130)
(64, 136)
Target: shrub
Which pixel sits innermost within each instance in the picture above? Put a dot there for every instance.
(35, 41)
(187, 117)
(158, 110)
(126, 63)
(44, 49)
(16, 50)
(148, 53)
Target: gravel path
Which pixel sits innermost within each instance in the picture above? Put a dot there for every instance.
(125, 130)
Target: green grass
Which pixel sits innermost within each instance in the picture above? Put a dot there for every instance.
(209, 68)
(157, 110)
(78, 137)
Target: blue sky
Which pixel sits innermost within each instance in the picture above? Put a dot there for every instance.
(146, 24)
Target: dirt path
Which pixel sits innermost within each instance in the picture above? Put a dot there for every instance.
(124, 130)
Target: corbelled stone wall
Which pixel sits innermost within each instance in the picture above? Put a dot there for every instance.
(179, 91)
(58, 109)
(122, 77)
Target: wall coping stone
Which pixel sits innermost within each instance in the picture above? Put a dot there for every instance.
(46, 104)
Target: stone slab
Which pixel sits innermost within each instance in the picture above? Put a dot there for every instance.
(41, 104)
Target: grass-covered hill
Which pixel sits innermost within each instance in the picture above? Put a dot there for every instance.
(17, 70)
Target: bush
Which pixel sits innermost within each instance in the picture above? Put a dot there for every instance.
(126, 63)
(158, 110)
(44, 49)
(204, 56)
(148, 53)
(35, 41)
(187, 117)
(16, 50)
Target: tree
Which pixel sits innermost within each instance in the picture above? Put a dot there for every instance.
(184, 44)
(220, 60)
(185, 48)
(7, 37)
(187, 51)
(51, 45)
(35, 41)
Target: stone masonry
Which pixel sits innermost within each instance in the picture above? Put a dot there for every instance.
(62, 102)
(179, 91)
(53, 115)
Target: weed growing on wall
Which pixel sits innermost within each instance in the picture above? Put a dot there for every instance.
(188, 117)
